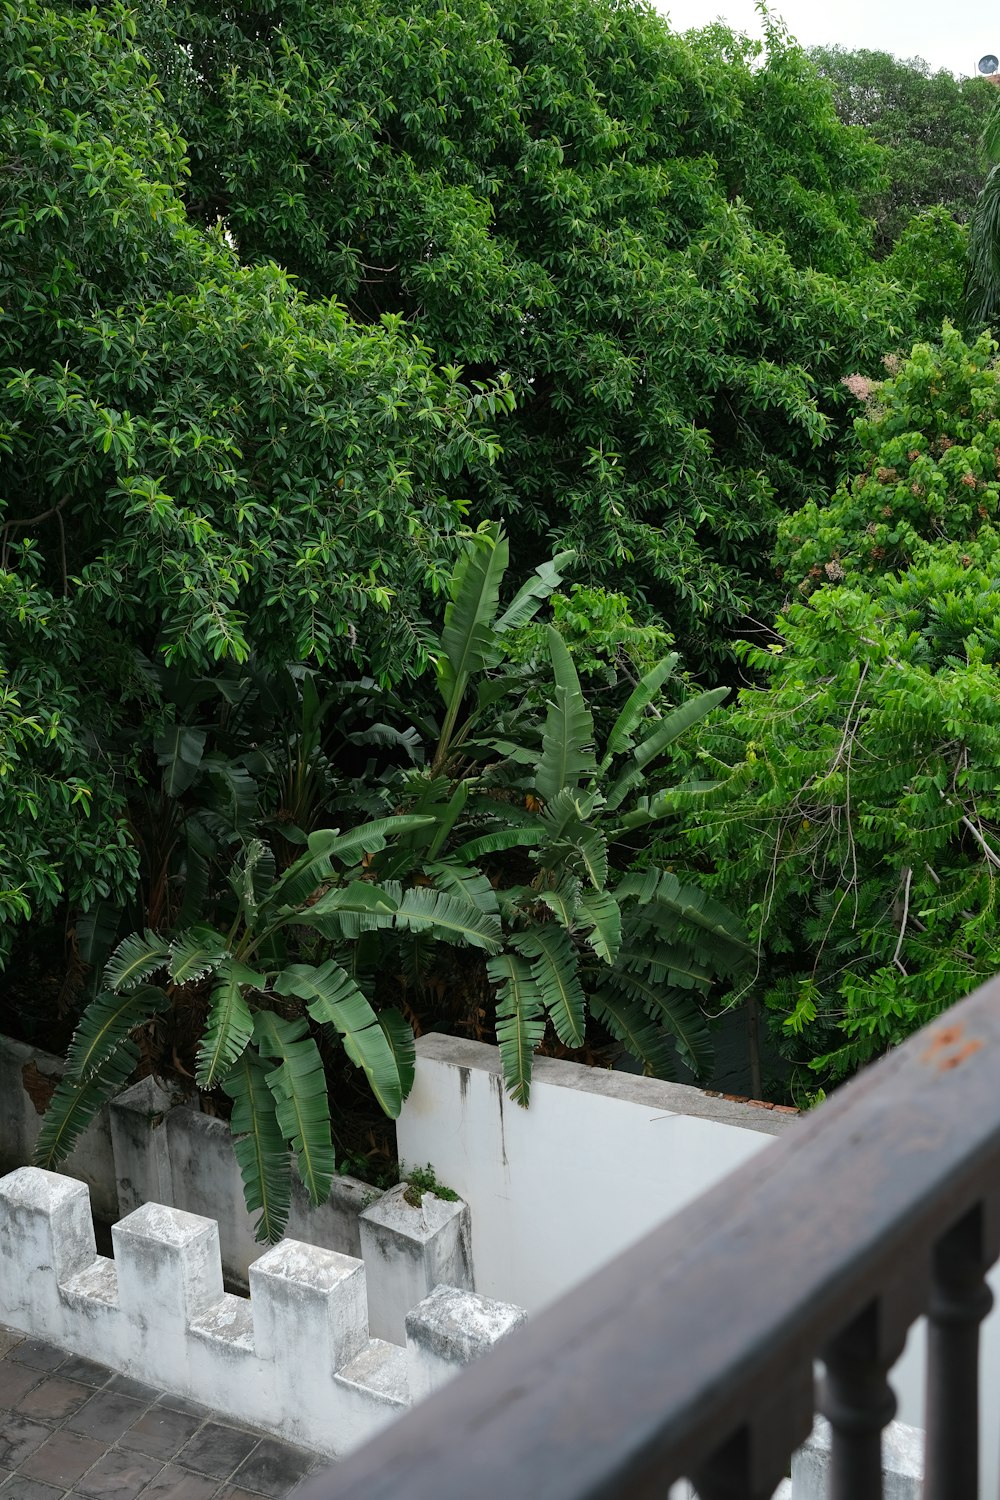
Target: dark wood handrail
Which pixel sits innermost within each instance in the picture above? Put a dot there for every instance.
(692, 1353)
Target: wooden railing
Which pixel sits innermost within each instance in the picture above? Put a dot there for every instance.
(692, 1354)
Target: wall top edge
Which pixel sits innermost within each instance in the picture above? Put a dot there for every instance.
(631, 1088)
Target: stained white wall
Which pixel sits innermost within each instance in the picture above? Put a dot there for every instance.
(558, 1190)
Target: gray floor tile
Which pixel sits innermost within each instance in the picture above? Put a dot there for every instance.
(87, 1371)
(38, 1354)
(181, 1403)
(217, 1450)
(273, 1468)
(54, 1399)
(160, 1432)
(18, 1488)
(107, 1415)
(173, 1483)
(130, 1387)
(9, 1339)
(62, 1459)
(118, 1476)
(19, 1438)
(15, 1380)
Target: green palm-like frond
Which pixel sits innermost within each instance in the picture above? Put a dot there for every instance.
(302, 1103)
(982, 286)
(229, 1024)
(106, 1023)
(675, 1011)
(334, 999)
(196, 953)
(554, 970)
(423, 908)
(135, 958)
(496, 842)
(645, 690)
(567, 745)
(629, 1024)
(520, 1023)
(179, 750)
(525, 603)
(259, 1146)
(74, 1104)
(668, 729)
(399, 1035)
(368, 838)
(600, 912)
(563, 900)
(348, 911)
(468, 640)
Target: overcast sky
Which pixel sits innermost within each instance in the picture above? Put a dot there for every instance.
(951, 34)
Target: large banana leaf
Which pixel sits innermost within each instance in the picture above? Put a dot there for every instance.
(520, 1023)
(259, 1147)
(196, 953)
(399, 1035)
(563, 670)
(315, 866)
(679, 1014)
(334, 999)
(302, 1102)
(675, 906)
(423, 908)
(600, 912)
(532, 594)
(669, 728)
(106, 1023)
(564, 901)
(74, 1104)
(646, 689)
(469, 884)
(554, 970)
(629, 1024)
(179, 750)
(229, 1025)
(495, 843)
(567, 745)
(135, 958)
(468, 640)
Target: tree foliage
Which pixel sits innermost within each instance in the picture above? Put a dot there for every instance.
(855, 798)
(929, 125)
(657, 239)
(198, 463)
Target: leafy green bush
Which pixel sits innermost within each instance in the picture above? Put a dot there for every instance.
(856, 788)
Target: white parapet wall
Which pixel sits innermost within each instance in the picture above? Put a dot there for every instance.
(295, 1358)
(559, 1189)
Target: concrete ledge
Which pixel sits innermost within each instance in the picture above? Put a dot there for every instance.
(654, 1093)
(295, 1360)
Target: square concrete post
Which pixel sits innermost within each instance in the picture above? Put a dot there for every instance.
(409, 1248)
(310, 1317)
(448, 1330)
(139, 1137)
(169, 1272)
(45, 1227)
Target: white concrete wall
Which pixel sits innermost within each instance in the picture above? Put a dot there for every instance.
(559, 1189)
(294, 1359)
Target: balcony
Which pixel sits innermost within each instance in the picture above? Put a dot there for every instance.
(693, 1355)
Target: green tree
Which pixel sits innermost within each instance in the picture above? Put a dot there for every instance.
(657, 239)
(928, 123)
(198, 462)
(855, 788)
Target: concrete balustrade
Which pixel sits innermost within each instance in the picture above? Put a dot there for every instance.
(295, 1358)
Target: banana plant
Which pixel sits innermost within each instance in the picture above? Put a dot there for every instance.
(263, 1011)
(506, 783)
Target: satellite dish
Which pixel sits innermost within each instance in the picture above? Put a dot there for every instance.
(989, 64)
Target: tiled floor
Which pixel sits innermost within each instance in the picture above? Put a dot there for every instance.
(73, 1430)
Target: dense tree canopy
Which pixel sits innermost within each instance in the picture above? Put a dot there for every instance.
(656, 239)
(856, 795)
(197, 462)
(929, 124)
